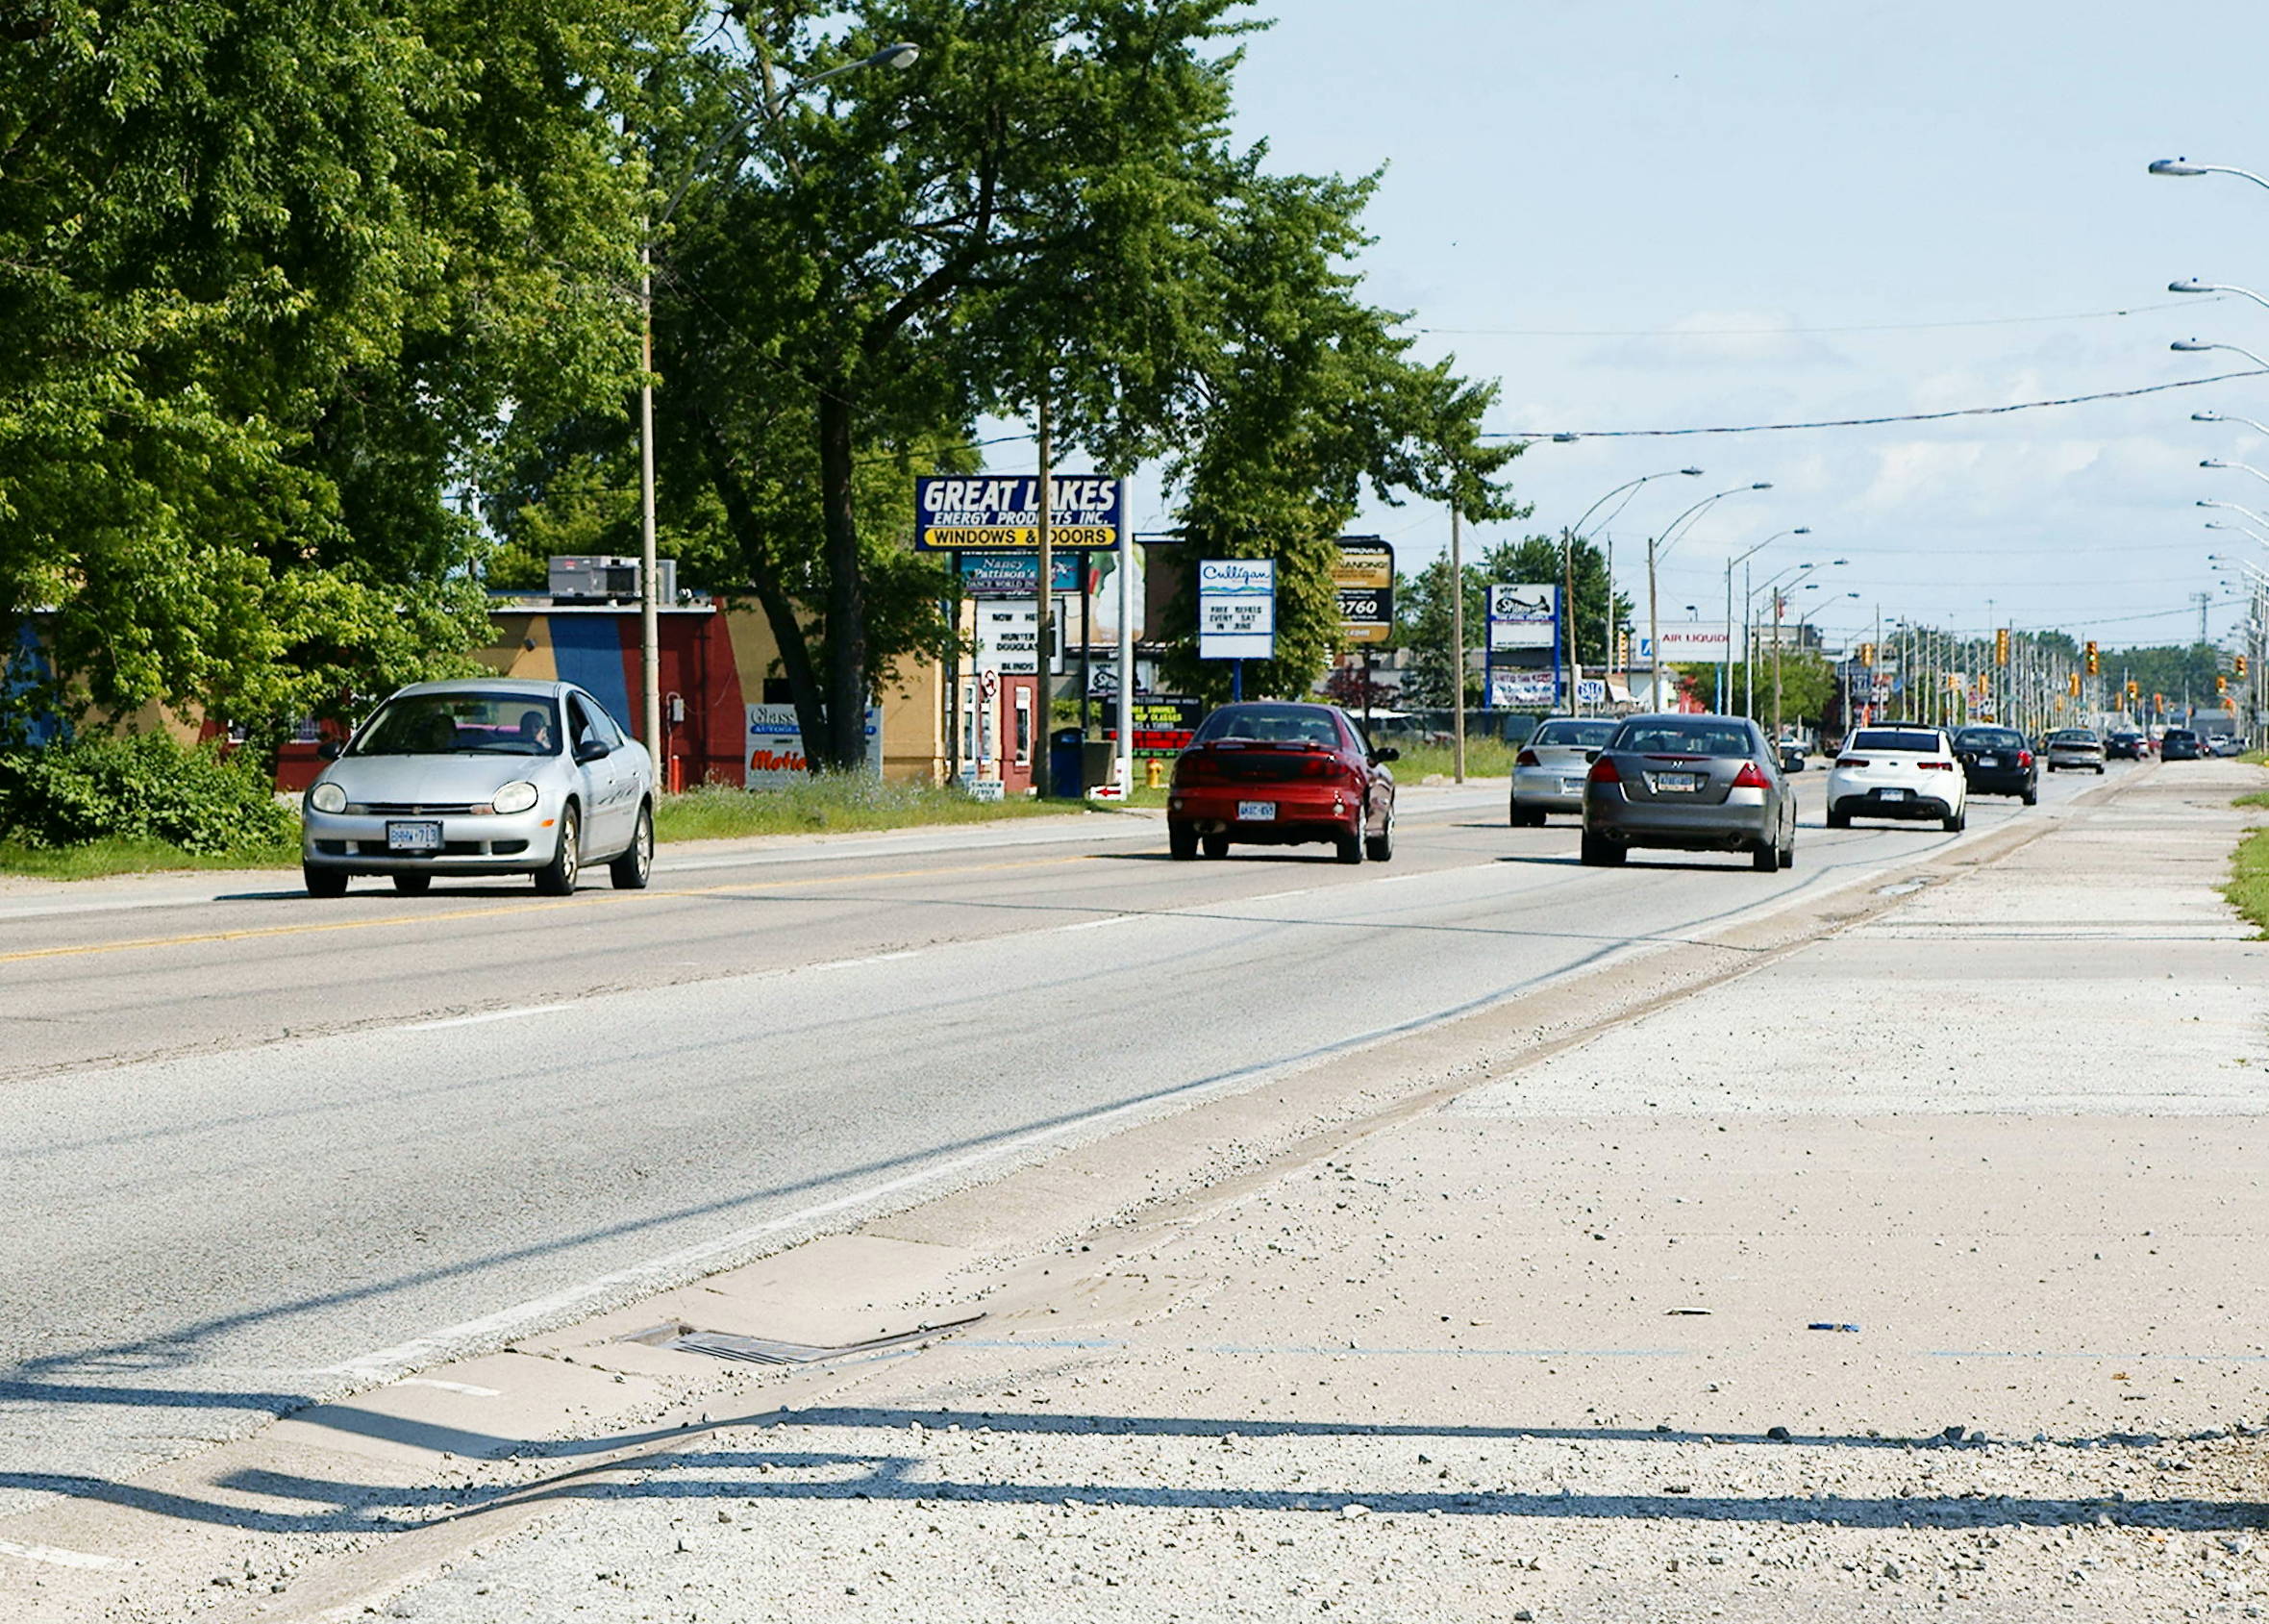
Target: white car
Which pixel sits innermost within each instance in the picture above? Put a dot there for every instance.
(1548, 773)
(1895, 770)
(484, 774)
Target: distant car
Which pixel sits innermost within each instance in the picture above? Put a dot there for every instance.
(2075, 749)
(2180, 744)
(1899, 771)
(2125, 747)
(1548, 773)
(2226, 744)
(484, 775)
(1689, 783)
(1998, 761)
(1277, 774)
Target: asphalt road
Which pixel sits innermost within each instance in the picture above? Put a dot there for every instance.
(264, 1148)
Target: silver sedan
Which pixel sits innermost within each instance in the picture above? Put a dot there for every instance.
(485, 775)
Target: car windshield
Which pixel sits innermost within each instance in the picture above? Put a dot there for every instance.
(1272, 724)
(1587, 736)
(1989, 739)
(1682, 739)
(1887, 738)
(2072, 735)
(462, 724)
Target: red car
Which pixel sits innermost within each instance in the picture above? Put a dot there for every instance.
(1279, 774)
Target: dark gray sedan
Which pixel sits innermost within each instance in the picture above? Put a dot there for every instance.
(1689, 784)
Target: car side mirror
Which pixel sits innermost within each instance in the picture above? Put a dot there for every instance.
(592, 750)
(331, 749)
(1389, 753)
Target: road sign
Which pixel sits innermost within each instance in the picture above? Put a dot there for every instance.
(1001, 512)
(1364, 580)
(1236, 609)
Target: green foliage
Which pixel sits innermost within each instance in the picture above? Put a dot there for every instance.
(1809, 686)
(276, 274)
(1422, 610)
(2168, 669)
(141, 786)
(826, 802)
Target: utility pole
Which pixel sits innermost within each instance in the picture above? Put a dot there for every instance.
(1046, 642)
(1457, 636)
(1575, 666)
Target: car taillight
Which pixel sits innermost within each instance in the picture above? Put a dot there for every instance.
(1526, 759)
(1850, 762)
(1942, 766)
(2024, 758)
(1195, 768)
(1602, 771)
(1749, 778)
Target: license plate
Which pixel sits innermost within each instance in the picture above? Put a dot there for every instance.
(414, 837)
(1571, 786)
(1256, 812)
(1989, 761)
(1677, 780)
(1894, 794)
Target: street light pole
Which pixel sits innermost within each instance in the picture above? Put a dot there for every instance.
(1568, 564)
(1656, 547)
(899, 56)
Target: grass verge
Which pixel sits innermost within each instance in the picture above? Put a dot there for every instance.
(98, 860)
(2248, 889)
(835, 805)
(1485, 758)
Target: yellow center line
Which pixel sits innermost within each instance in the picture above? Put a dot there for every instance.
(597, 899)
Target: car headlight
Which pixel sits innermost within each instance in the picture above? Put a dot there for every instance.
(516, 796)
(328, 797)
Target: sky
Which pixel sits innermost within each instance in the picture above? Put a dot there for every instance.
(1639, 214)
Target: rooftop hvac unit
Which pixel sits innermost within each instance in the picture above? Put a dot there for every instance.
(607, 580)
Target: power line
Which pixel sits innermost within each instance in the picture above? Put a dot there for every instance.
(1778, 332)
(1532, 435)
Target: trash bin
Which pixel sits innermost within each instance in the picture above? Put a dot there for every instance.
(1067, 776)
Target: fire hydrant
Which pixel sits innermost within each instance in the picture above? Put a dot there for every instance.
(1154, 773)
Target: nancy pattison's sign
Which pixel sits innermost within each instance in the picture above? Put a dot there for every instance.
(998, 512)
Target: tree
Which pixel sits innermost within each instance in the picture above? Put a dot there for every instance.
(1540, 559)
(1809, 686)
(275, 276)
(1422, 613)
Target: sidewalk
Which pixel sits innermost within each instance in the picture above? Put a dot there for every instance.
(1548, 1352)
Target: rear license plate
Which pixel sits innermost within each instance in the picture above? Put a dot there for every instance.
(1571, 786)
(414, 837)
(1893, 794)
(1256, 812)
(1989, 761)
(1683, 782)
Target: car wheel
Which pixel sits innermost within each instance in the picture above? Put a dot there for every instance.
(2099, 772)
(1596, 853)
(1789, 851)
(414, 885)
(631, 871)
(2031, 797)
(557, 876)
(1350, 847)
(1379, 847)
(1182, 842)
(1537, 818)
(324, 882)
(1959, 821)
(1766, 857)
(1216, 846)
(1839, 819)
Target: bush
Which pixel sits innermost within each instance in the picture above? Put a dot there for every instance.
(140, 787)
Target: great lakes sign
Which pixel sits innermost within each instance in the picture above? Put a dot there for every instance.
(1001, 512)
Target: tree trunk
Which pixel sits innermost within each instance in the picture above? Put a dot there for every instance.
(846, 592)
(779, 611)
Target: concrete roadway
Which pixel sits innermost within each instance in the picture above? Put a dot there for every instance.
(264, 1149)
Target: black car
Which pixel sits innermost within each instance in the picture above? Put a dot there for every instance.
(1998, 761)
(2180, 744)
(2124, 747)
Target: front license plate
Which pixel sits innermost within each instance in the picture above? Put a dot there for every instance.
(1677, 780)
(1256, 811)
(1894, 794)
(414, 837)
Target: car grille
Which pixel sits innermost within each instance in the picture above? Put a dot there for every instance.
(450, 848)
(418, 808)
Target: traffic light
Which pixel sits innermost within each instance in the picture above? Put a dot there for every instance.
(2241, 667)
(2158, 702)
(1867, 657)
(2001, 645)
(2135, 688)
(2072, 683)
(2093, 667)
(2220, 682)
(1623, 650)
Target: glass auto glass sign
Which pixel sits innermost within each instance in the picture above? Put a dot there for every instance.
(1001, 512)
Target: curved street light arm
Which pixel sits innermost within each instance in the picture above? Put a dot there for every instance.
(2184, 166)
(2235, 507)
(2191, 346)
(2217, 462)
(1626, 484)
(2226, 418)
(2190, 285)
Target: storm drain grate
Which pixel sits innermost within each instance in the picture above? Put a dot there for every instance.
(770, 1350)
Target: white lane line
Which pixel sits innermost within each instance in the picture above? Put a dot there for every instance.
(55, 1557)
(1100, 924)
(465, 1387)
(485, 1016)
(854, 964)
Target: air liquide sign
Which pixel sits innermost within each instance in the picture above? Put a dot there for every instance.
(1236, 609)
(997, 511)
